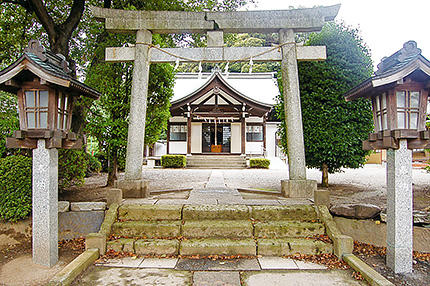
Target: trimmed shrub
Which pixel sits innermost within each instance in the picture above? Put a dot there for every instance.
(15, 187)
(72, 167)
(173, 161)
(259, 163)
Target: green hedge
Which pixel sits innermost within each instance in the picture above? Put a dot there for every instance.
(94, 165)
(173, 161)
(259, 163)
(15, 187)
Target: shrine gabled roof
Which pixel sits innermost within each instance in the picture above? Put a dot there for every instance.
(392, 69)
(48, 66)
(259, 88)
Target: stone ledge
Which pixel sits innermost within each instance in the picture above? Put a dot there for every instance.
(66, 276)
(88, 206)
(370, 274)
(213, 246)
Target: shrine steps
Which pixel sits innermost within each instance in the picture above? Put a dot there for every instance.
(216, 162)
(224, 230)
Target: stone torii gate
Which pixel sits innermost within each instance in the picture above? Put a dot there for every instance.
(284, 22)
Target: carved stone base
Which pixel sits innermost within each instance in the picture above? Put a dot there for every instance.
(133, 188)
(298, 188)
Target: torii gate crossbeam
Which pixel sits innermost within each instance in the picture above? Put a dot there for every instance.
(284, 22)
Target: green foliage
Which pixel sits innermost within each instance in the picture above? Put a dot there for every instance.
(173, 161)
(333, 128)
(262, 163)
(8, 120)
(15, 187)
(72, 167)
(94, 166)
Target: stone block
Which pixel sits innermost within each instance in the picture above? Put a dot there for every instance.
(298, 188)
(114, 245)
(113, 196)
(133, 188)
(214, 246)
(63, 206)
(222, 212)
(74, 268)
(87, 206)
(283, 229)
(284, 212)
(370, 274)
(156, 247)
(110, 218)
(342, 244)
(149, 229)
(281, 247)
(149, 212)
(96, 241)
(215, 38)
(78, 224)
(217, 228)
(322, 197)
(359, 211)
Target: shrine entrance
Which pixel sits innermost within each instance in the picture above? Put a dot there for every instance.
(214, 24)
(216, 138)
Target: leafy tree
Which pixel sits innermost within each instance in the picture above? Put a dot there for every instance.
(8, 120)
(333, 128)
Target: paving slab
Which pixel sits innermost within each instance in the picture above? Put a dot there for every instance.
(257, 202)
(126, 262)
(163, 263)
(216, 278)
(274, 262)
(299, 278)
(171, 202)
(218, 265)
(291, 201)
(101, 276)
(303, 265)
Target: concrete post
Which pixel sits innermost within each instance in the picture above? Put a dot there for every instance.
(139, 93)
(293, 112)
(399, 208)
(45, 205)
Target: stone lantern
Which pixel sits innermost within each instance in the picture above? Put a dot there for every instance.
(399, 94)
(46, 89)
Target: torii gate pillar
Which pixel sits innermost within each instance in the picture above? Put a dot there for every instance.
(133, 186)
(297, 185)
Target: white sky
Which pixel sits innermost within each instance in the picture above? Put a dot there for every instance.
(384, 24)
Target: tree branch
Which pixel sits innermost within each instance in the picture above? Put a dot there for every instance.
(74, 18)
(42, 14)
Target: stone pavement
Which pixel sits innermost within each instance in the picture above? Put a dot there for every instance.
(198, 272)
(215, 192)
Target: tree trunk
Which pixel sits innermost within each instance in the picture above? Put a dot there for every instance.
(113, 171)
(324, 181)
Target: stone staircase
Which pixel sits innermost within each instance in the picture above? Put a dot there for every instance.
(218, 230)
(216, 162)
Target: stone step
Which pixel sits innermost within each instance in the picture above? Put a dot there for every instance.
(217, 246)
(215, 212)
(284, 213)
(284, 229)
(149, 212)
(145, 246)
(290, 246)
(217, 228)
(147, 229)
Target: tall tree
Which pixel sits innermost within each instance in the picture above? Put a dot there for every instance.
(333, 128)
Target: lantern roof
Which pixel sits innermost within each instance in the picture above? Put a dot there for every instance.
(405, 62)
(49, 67)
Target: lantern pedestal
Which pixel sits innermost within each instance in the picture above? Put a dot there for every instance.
(399, 208)
(45, 205)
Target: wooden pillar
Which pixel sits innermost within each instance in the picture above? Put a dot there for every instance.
(264, 133)
(243, 129)
(168, 137)
(189, 134)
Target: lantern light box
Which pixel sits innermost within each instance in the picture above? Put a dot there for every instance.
(399, 95)
(46, 90)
